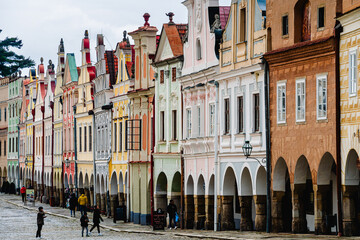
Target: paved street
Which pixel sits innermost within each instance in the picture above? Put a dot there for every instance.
(19, 222)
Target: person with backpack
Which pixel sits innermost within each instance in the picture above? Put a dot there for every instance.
(96, 219)
(72, 204)
(84, 220)
(83, 201)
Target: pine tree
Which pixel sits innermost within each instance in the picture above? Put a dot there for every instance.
(10, 62)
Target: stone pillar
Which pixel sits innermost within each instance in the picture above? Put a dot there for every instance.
(189, 211)
(113, 204)
(260, 209)
(61, 195)
(98, 200)
(350, 224)
(87, 194)
(227, 213)
(276, 211)
(199, 215)
(246, 223)
(103, 202)
(299, 224)
(120, 199)
(319, 208)
(91, 199)
(209, 211)
(35, 190)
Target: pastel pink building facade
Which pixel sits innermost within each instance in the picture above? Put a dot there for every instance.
(199, 92)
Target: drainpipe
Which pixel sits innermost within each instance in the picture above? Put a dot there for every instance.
(75, 153)
(338, 30)
(152, 163)
(43, 153)
(52, 148)
(268, 146)
(128, 175)
(91, 112)
(182, 163)
(33, 153)
(216, 170)
(18, 146)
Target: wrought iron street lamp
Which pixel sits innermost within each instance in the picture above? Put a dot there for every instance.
(247, 150)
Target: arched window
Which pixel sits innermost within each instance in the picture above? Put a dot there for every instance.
(302, 32)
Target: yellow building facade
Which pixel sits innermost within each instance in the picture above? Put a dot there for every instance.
(118, 166)
(350, 116)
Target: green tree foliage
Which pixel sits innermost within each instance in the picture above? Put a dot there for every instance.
(10, 62)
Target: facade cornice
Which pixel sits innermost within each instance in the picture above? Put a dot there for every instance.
(239, 72)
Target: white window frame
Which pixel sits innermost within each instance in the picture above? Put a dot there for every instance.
(298, 82)
(318, 78)
(279, 119)
(188, 123)
(353, 73)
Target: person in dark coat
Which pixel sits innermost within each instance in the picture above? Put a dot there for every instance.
(171, 210)
(96, 219)
(40, 221)
(84, 220)
(72, 202)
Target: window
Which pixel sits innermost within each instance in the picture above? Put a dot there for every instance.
(240, 112)
(188, 123)
(285, 25)
(90, 139)
(0, 114)
(173, 74)
(256, 112)
(227, 115)
(133, 134)
(80, 139)
(4, 148)
(161, 76)
(321, 17)
(85, 139)
(242, 29)
(199, 120)
(281, 102)
(198, 49)
(0, 148)
(120, 137)
(5, 114)
(162, 127)
(174, 124)
(115, 137)
(352, 73)
(300, 100)
(212, 119)
(321, 97)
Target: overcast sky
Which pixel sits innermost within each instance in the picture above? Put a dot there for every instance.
(41, 23)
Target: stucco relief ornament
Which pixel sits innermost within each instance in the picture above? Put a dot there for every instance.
(216, 24)
(198, 15)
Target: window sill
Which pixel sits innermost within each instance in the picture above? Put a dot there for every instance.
(300, 122)
(352, 95)
(173, 141)
(321, 29)
(280, 124)
(285, 36)
(325, 120)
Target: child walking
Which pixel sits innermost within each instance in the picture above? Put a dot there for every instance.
(84, 220)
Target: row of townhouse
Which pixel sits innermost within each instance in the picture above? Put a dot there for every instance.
(246, 116)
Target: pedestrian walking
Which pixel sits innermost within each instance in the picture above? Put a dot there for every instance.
(83, 201)
(72, 204)
(172, 210)
(84, 220)
(96, 219)
(40, 221)
(23, 193)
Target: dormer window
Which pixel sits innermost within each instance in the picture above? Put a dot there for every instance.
(198, 49)
(302, 32)
(285, 26)
(321, 17)
(242, 32)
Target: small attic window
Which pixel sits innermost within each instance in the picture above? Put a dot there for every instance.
(198, 49)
